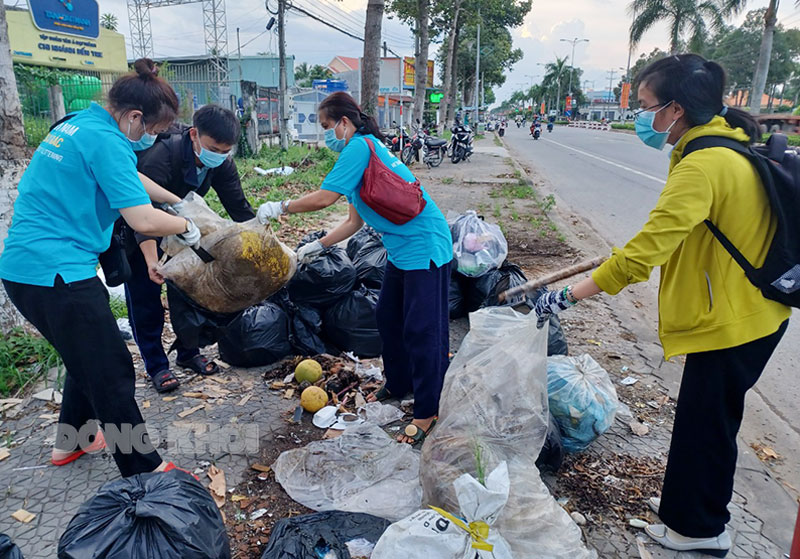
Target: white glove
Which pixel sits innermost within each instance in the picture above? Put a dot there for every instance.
(269, 210)
(309, 252)
(179, 207)
(192, 235)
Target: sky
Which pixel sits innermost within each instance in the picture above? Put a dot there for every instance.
(178, 30)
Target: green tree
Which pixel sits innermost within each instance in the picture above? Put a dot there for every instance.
(109, 21)
(304, 75)
(692, 18)
(301, 71)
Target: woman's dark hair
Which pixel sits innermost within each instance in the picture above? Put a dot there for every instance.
(144, 91)
(697, 85)
(339, 104)
(217, 122)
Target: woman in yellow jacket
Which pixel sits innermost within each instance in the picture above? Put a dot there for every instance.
(708, 309)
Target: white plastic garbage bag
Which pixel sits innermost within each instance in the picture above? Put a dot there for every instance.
(582, 398)
(438, 534)
(494, 406)
(363, 470)
(479, 247)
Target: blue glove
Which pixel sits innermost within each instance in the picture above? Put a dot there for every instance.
(551, 303)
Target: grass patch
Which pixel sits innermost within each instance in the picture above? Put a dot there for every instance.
(498, 142)
(23, 357)
(480, 136)
(36, 129)
(497, 212)
(447, 180)
(548, 203)
(561, 238)
(521, 191)
(118, 307)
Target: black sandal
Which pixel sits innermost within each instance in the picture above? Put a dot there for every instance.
(382, 394)
(417, 434)
(165, 381)
(199, 365)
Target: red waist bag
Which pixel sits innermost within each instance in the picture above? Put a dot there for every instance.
(387, 194)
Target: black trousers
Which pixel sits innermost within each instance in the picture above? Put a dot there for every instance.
(698, 483)
(76, 319)
(413, 320)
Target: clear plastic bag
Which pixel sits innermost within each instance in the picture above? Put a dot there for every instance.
(428, 533)
(494, 409)
(582, 398)
(478, 246)
(206, 219)
(362, 470)
(249, 265)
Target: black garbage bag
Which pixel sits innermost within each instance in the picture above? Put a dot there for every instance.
(324, 280)
(193, 325)
(260, 336)
(351, 325)
(314, 535)
(369, 257)
(7, 548)
(305, 325)
(556, 340)
(165, 515)
(457, 305)
(552, 454)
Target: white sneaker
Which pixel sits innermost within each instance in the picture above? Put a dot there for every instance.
(716, 547)
(654, 503)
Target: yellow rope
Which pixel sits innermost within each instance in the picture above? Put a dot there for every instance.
(477, 530)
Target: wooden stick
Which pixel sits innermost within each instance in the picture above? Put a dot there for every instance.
(533, 285)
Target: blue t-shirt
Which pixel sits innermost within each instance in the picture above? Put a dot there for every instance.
(69, 196)
(411, 246)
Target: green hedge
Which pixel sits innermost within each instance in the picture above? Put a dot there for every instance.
(622, 126)
(794, 139)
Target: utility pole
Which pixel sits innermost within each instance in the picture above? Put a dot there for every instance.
(386, 121)
(611, 76)
(239, 49)
(477, 72)
(574, 41)
(282, 102)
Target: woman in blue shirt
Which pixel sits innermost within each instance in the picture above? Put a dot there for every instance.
(80, 180)
(412, 312)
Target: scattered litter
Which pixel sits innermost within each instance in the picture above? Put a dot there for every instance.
(512, 408)
(174, 517)
(764, 452)
(260, 468)
(595, 342)
(638, 523)
(284, 171)
(372, 373)
(382, 414)
(363, 470)
(195, 395)
(237, 498)
(245, 399)
(629, 381)
(332, 434)
(289, 394)
(4, 453)
(23, 516)
(146, 404)
(624, 369)
(217, 487)
(26, 468)
(48, 395)
(480, 503)
(332, 534)
(190, 411)
(346, 420)
(582, 399)
(298, 414)
(258, 514)
(169, 398)
(289, 378)
(325, 417)
(653, 404)
(638, 428)
(579, 519)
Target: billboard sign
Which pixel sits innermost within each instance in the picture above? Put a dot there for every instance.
(71, 17)
(409, 73)
(625, 95)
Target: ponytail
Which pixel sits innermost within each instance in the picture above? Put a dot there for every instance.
(340, 104)
(698, 86)
(144, 91)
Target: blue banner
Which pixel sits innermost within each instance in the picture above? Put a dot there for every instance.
(71, 17)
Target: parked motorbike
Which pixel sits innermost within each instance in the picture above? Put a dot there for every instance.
(433, 149)
(395, 142)
(461, 142)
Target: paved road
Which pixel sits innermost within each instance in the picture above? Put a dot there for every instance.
(613, 180)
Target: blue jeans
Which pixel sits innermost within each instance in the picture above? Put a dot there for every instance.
(146, 315)
(413, 315)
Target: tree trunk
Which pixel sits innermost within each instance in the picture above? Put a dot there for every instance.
(764, 55)
(451, 111)
(13, 158)
(448, 98)
(371, 64)
(421, 60)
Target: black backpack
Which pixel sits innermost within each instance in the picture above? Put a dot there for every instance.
(779, 169)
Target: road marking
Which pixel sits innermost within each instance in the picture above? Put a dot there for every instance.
(607, 161)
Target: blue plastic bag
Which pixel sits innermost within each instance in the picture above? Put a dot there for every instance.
(582, 399)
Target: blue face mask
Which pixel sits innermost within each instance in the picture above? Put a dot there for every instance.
(146, 141)
(649, 135)
(334, 143)
(211, 159)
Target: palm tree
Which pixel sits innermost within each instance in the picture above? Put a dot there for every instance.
(301, 71)
(695, 17)
(109, 21)
(553, 78)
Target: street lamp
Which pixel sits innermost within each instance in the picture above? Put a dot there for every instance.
(574, 41)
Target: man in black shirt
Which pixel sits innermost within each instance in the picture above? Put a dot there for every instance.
(196, 159)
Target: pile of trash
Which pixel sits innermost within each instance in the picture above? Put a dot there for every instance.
(480, 273)
(327, 307)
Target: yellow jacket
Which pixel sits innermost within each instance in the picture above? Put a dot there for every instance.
(705, 300)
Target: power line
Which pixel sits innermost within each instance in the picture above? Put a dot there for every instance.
(390, 35)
